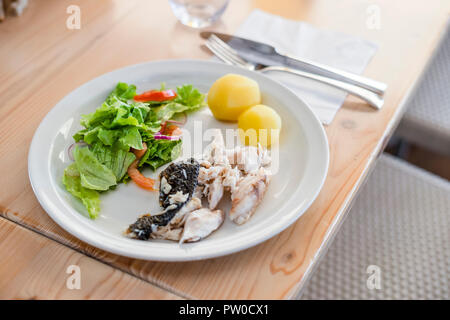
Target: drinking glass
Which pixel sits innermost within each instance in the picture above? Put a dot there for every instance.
(198, 13)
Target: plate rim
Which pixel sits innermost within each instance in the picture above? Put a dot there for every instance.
(59, 218)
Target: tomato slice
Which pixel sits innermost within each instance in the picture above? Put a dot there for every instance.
(156, 95)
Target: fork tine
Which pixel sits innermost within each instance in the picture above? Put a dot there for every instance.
(218, 54)
(223, 53)
(228, 49)
(226, 54)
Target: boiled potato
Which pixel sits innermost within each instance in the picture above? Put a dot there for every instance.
(231, 95)
(259, 124)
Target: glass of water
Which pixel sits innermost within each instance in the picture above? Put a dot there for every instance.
(198, 13)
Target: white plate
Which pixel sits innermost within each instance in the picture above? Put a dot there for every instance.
(303, 164)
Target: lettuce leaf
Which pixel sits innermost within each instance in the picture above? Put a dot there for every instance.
(167, 111)
(108, 137)
(115, 158)
(115, 127)
(140, 112)
(188, 99)
(116, 111)
(89, 198)
(93, 174)
(131, 138)
(123, 91)
(102, 114)
(189, 96)
(160, 152)
(128, 136)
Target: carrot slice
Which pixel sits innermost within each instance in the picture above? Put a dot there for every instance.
(135, 175)
(171, 130)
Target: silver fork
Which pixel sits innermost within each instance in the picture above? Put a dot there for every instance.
(228, 55)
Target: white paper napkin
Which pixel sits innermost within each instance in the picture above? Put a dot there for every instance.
(335, 49)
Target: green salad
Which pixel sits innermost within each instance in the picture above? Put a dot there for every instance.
(125, 134)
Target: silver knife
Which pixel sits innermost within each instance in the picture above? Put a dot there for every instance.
(266, 54)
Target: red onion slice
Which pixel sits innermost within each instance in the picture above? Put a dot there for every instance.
(180, 122)
(164, 137)
(72, 146)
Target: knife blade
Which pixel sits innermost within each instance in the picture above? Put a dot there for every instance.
(251, 50)
(268, 55)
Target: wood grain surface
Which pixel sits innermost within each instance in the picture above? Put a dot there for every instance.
(41, 61)
(34, 267)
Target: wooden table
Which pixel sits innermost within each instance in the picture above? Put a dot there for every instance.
(41, 61)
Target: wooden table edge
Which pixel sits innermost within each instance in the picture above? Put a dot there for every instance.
(24, 228)
(156, 284)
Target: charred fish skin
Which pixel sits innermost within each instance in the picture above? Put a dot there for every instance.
(179, 177)
(142, 228)
(146, 224)
(177, 188)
